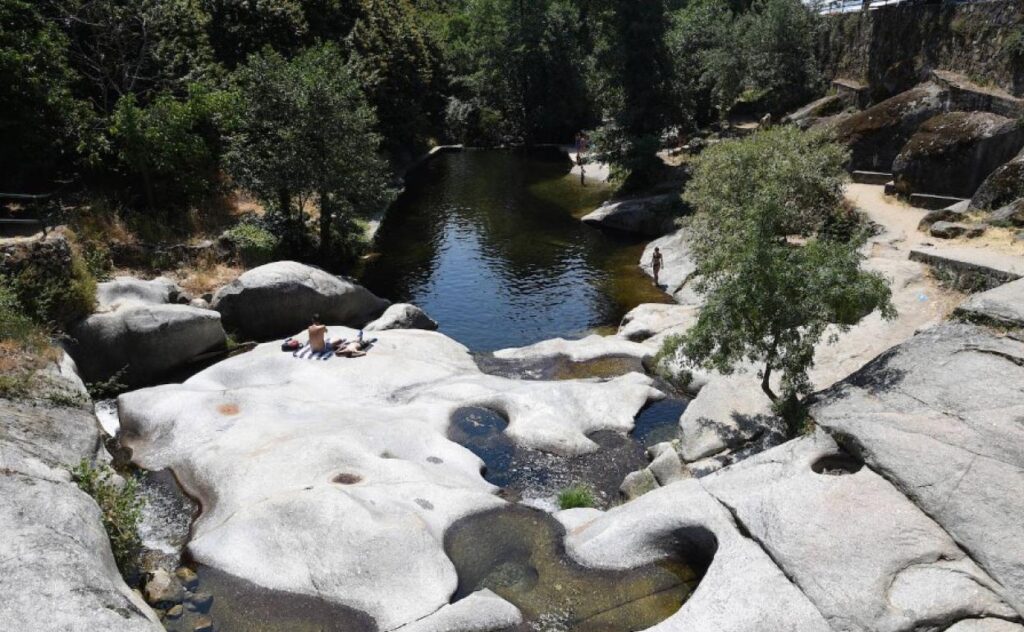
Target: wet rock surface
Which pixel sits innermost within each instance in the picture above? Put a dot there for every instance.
(518, 554)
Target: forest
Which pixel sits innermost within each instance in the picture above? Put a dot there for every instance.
(160, 108)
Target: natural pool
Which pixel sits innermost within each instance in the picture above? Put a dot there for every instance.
(490, 244)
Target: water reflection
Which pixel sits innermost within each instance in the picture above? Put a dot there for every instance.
(490, 244)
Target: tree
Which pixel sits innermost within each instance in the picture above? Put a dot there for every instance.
(778, 40)
(171, 148)
(633, 85)
(776, 259)
(305, 131)
(41, 120)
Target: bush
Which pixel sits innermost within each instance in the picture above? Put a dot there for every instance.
(51, 283)
(120, 506)
(255, 245)
(576, 496)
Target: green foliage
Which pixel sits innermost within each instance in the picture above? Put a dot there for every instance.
(22, 341)
(633, 84)
(305, 132)
(776, 282)
(54, 290)
(1013, 47)
(576, 496)
(120, 509)
(170, 148)
(41, 120)
(254, 244)
(108, 388)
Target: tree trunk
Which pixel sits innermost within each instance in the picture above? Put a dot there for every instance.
(766, 384)
(284, 200)
(325, 227)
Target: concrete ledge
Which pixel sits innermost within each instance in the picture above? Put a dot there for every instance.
(933, 202)
(879, 178)
(971, 269)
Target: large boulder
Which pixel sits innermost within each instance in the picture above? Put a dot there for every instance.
(1003, 186)
(1002, 306)
(742, 589)
(402, 316)
(335, 477)
(57, 571)
(953, 153)
(159, 291)
(279, 299)
(1011, 215)
(939, 417)
(814, 111)
(141, 343)
(729, 413)
(865, 555)
(876, 135)
(651, 320)
(651, 216)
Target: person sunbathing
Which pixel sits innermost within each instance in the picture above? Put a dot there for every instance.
(355, 348)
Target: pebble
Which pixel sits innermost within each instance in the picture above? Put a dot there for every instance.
(175, 612)
(200, 601)
(162, 587)
(187, 576)
(204, 624)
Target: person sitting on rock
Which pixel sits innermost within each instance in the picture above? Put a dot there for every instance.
(318, 340)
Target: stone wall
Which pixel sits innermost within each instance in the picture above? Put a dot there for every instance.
(894, 48)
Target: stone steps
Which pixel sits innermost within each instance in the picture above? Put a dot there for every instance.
(933, 202)
(872, 177)
(971, 268)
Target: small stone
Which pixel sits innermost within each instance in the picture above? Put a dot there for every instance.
(187, 576)
(200, 602)
(952, 230)
(638, 483)
(668, 468)
(203, 624)
(163, 587)
(175, 611)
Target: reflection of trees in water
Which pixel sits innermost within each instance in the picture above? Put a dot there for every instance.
(503, 220)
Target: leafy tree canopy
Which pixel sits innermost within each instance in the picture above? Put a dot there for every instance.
(778, 271)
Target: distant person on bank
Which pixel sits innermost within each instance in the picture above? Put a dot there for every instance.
(656, 264)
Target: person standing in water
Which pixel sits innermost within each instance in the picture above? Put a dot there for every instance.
(656, 264)
(581, 148)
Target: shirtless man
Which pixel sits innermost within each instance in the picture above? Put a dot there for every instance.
(656, 264)
(317, 335)
(353, 349)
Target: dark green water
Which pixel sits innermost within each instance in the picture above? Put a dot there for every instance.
(490, 244)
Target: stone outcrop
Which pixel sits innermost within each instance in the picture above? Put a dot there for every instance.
(356, 481)
(57, 571)
(650, 216)
(952, 230)
(1011, 215)
(876, 135)
(953, 153)
(730, 412)
(1003, 186)
(956, 213)
(279, 299)
(140, 335)
(939, 417)
(742, 590)
(862, 553)
(811, 113)
(402, 316)
(1002, 306)
(679, 267)
(655, 321)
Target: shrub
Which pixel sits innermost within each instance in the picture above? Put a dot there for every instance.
(52, 283)
(120, 506)
(22, 345)
(576, 496)
(255, 245)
